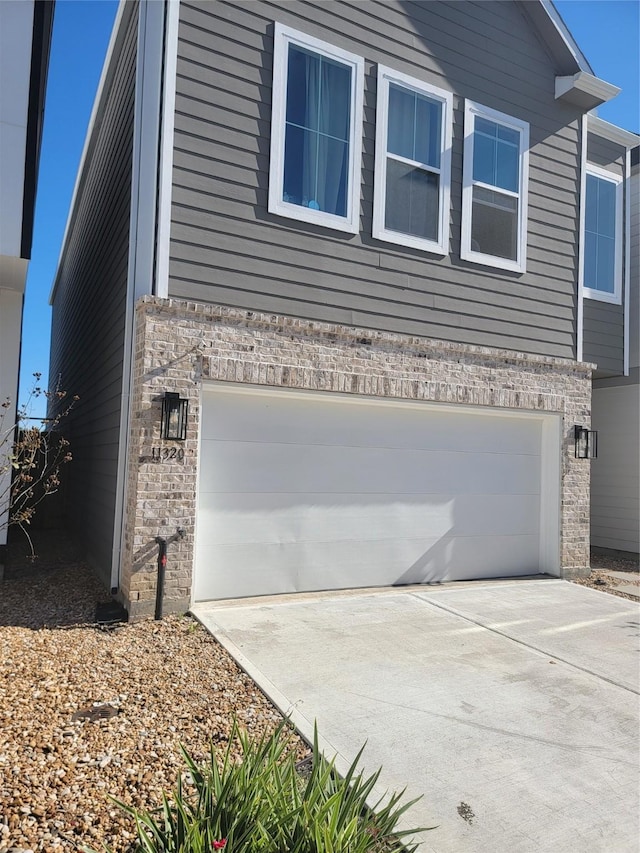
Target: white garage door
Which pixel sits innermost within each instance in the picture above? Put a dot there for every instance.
(304, 491)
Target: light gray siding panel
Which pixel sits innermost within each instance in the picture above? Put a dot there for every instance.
(615, 474)
(603, 336)
(89, 309)
(226, 247)
(606, 154)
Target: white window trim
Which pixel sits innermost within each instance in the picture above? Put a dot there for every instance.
(614, 298)
(283, 37)
(471, 111)
(379, 231)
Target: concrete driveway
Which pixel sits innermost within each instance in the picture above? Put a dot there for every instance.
(511, 706)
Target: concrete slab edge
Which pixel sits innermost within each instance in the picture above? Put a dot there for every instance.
(301, 723)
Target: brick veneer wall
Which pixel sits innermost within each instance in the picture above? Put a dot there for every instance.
(180, 344)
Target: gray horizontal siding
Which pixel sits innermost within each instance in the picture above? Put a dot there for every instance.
(604, 336)
(601, 152)
(227, 248)
(89, 310)
(603, 341)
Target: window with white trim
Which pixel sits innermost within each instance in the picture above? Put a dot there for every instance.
(602, 276)
(413, 162)
(316, 131)
(494, 189)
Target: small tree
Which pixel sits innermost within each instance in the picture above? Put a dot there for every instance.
(31, 457)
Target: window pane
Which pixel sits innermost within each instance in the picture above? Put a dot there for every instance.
(507, 167)
(412, 197)
(401, 131)
(414, 126)
(591, 206)
(333, 174)
(303, 85)
(496, 151)
(606, 265)
(484, 159)
(334, 101)
(494, 224)
(606, 208)
(300, 161)
(488, 128)
(507, 134)
(318, 123)
(315, 171)
(428, 131)
(600, 234)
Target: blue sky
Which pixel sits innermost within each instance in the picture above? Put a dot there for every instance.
(606, 30)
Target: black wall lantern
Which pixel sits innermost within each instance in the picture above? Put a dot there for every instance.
(586, 442)
(175, 410)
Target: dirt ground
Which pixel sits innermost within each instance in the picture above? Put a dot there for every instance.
(601, 578)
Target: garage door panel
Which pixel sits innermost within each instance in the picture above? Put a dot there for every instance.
(258, 467)
(269, 518)
(246, 570)
(324, 421)
(238, 571)
(325, 492)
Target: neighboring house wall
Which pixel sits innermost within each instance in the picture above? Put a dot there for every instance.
(226, 248)
(89, 307)
(25, 39)
(604, 322)
(615, 475)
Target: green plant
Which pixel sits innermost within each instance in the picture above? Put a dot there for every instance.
(261, 804)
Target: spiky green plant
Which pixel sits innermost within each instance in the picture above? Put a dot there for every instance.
(261, 804)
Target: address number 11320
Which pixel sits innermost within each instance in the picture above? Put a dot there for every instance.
(167, 454)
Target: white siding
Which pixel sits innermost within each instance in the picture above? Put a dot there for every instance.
(615, 478)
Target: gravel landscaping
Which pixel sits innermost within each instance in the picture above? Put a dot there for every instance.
(610, 573)
(165, 683)
(169, 682)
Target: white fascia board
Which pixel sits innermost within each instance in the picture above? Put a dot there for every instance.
(582, 212)
(586, 84)
(627, 261)
(98, 107)
(565, 35)
(165, 167)
(611, 132)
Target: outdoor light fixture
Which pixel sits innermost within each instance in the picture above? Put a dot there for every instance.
(175, 410)
(586, 442)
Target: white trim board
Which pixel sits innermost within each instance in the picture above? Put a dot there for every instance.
(148, 120)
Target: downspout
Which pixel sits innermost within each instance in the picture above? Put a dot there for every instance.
(627, 255)
(582, 214)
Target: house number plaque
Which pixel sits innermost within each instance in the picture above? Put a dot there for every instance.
(167, 454)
